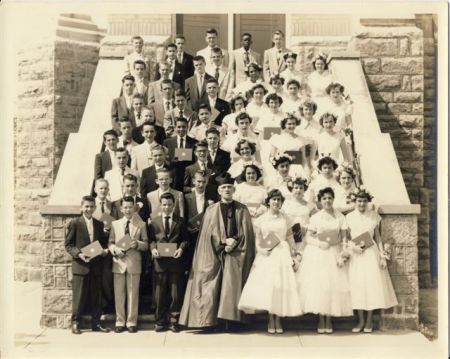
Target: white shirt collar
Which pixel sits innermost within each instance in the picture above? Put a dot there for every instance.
(87, 220)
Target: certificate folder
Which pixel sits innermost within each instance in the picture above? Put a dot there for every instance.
(331, 237)
(270, 242)
(271, 131)
(364, 240)
(166, 249)
(92, 250)
(106, 218)
(297, 233)
(183, 154)
(124, 242)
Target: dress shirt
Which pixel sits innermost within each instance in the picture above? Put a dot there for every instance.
(90, 227)
(128, 100)
(137, 116)
(180, 57)
(164, 221)
(200, 200)
(212, 153)
(179, 140)
(212, 102)
(99, 202)
(200, 79)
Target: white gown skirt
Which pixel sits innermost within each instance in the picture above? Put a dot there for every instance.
(271, 285)
(370, 286)
(323, 286)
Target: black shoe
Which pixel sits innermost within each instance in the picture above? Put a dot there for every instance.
(99, 328)
(119, 329)
(132, 329)
(174, 328)
(160, 328)
(75, 329)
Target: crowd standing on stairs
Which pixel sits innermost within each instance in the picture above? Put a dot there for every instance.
(228, 186)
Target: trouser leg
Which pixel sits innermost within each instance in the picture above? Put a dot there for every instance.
(119, 297)
(132, 298)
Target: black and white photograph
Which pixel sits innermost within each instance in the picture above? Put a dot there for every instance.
(220, 179)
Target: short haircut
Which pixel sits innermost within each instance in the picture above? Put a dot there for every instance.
(98, 180)
(324, 191)
(110, 133)
(246, 34)
(308, 104)
(334, 85)
(128, 77)
(299, 182)
(127, 199)
(293, 82)
(212, 130)
(199, 58)
(121, 149)
(167, 82)
(233, 102)
(138, 96)
(180, 36)
(273, 97)
(347, 170)
(273, 193)
(282, 158)
(167, 195)
(320, 57)
(327, 160)
(204, 106)
(139, 62)
(201, 173)
(216, 50)
(87, 199)
(258, 86)
(181, 119)
(212, 80)
(255, 168)
(242, 116)
(180, 92)
(162, 170)
(158, 148)
(254, 66)
(147, 123)
(252, 146)
(286, 119)
(163, 63)
(275, 78)
(327, 115)
(130, 177)
(137, 38)
(278, 32)
(200, 144)
(211, 30)
(124, 119)
(171, 45)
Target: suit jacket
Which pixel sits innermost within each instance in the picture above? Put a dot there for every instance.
(222, 161)
(119, 110)
(271, 66)
(171, 116)
(131, 262)
(177, 75)
(191, 207)
(155, 97)
(110, 209)
(148, 179)
(237, 63)
(189, 175)
(155, 205)
(206, 53)
(224, 109)
(193, 96)
(177, 234)
(115, 179)
(141, 156)
(136, 134)
(142, 89)
(143, 212)
(102, 164)
(77, 237)
(187, 66)
(129, 63)
(226, 80)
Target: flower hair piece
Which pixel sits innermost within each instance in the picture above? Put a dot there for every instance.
(279, 157)
(298, 179)
(253, 64)
(347, 167)
(359, 192)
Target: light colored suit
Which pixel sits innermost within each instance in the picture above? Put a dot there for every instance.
(155, 98)
(115, 180)
(237, 63)
(141, 156)
(155, 204)
(129, 146)
(127, 270)
(206, 53)
(271, 66)
(129, 62)
(226, 80)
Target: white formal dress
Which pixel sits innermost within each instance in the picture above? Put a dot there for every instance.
(323, 286)
(318, 183)
(289, 75)
(341, 202)
(317, 84)
(370, 286)
(237, 167)
(256, 111)
(330, 145)
(340, 110)
(271, 285)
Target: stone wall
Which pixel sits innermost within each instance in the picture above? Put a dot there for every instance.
(393, 58)
(54, 80)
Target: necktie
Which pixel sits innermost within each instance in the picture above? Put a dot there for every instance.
(103, 207)
(125, 143)
(127, 227)
(279, 56)
(181, 142)
(216, 74)
(212, 154)
(166, 225)
(181, 113)
(166, 106)
(138, 115)
(201, 85)
(229, 220)
(123, 171)
(180, 60)
(246, 58)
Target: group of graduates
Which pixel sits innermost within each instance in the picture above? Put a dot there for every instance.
(233, 182)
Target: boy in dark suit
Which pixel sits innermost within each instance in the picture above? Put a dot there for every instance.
(87, 272)
(217, 158)
(148, 179)
(183, 58)
(221, 106)
(167, 271)
(195, 86)
(104, 160)
(122, 107)
(201, 155)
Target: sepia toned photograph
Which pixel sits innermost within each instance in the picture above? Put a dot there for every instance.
(225, 180)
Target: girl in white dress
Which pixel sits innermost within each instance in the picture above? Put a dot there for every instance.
(277, 86)
(325, 178)
(319, 79)
(253, 72)
(246, 150)
(346, 179)
(271, 285)
(282, 165)
(290, 72)
(370, 283)
(238, 105)
(339, 106)
(257, 106)
(288, 140)
(292, 101)
(250, 192)
(322, 276)
(331, 143)
(309, 128)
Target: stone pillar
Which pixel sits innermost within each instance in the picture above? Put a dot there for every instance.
(54, 79)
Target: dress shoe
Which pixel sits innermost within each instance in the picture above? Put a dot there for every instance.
(99, 328)
(160, 328)
(132, 329)
(174, 328)
(357, 330)
(119, 329)
(75, 329)
(368, 330)
(328, 330)
(321, 330)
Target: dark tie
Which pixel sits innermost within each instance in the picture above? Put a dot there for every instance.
(167, 106)
(181, 142)
(125, 143)
(181, 113)
(279, 57)
(103, 207)
(127, 227)
(167, 225)
(123, 172)
(138, 115)
(216, 74)
(246, 58)
(229, 220)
